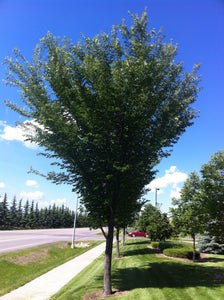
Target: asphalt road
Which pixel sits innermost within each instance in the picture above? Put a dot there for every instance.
(23, 239)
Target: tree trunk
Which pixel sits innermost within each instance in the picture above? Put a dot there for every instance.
(193, 237)
(123, 240)
(117, 243)
(107, 290)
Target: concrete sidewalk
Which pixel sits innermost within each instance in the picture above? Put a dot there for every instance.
(50, 283)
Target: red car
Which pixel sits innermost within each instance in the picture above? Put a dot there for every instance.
(138, 233)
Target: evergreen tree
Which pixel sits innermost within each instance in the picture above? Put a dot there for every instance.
(68, 218)
(48, 217)
(31, 217)
(54, 216)
(20, 214)
(42, 219)
(209, 244)
(5, 219)
(25, 220)
(62, 216)
(37, 216)
(1, 214)
(13, 213)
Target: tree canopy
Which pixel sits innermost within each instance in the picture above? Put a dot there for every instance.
(29, 215)
(189, 215)
(200, 208)
(107, 110)
(155, 223)
(212, 194)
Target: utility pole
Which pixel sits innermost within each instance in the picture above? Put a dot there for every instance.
(73, 236)
(156, 204)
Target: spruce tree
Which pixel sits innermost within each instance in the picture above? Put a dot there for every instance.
(20, 214)
(25, 220)
(13, 213)
(5, 219)
(31, 217)
(37, 216)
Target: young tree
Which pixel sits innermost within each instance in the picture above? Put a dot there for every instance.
(155, 223)
(109, 108)
(146, 213)
(212, 188)
(125, 215)
(189, 215)
(159, 228)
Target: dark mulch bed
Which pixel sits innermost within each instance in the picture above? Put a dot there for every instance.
(159, 253)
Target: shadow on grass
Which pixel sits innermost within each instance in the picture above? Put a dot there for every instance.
(141, 242)
(166, 274)
(134, 252)
(216, 259)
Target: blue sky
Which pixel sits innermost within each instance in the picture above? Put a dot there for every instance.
(197, 26)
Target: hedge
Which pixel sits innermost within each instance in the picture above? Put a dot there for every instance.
(168, 244)
(182, 253)
(155, 245)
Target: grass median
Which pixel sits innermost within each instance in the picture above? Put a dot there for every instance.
(20, 267)
(142, 275)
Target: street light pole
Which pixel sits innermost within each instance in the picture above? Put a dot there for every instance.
(156, 189)
(73, 236)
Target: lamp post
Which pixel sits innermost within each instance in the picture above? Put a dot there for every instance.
(73, 236)
(156, 189)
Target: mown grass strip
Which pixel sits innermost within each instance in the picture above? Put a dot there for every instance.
(20, 267)
(146, 276)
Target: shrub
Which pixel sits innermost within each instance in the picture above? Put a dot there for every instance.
(209, 244)
(173, 244)
(182, 253)
(155, 244)
(170, 244)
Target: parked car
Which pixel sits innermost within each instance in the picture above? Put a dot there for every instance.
(138, 233)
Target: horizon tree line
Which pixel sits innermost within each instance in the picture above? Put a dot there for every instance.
(29, 216)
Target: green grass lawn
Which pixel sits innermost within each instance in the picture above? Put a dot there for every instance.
(20, 267)
(146, 276)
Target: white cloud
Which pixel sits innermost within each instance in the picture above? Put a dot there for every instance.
(32, 183)
(59, 201)
(32, 195)
(17, 133)
(43, 204)
(175, 193)
(2, 185)
(160, 191)
(2, 123)
(171, 177)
